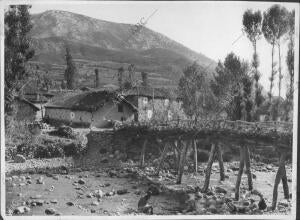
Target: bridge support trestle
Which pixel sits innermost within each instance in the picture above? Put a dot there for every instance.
(280, 175)
(182, 160)
(142, 160)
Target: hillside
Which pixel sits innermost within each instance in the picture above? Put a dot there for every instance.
(95, 43)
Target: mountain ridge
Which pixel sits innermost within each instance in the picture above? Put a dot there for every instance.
(99, 40)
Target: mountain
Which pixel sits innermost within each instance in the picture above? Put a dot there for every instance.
(98, 41)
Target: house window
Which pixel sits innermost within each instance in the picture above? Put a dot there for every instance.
(120, 108)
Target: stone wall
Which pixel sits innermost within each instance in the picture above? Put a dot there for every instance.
(115, 145)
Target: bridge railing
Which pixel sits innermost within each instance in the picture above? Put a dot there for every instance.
(219, 124)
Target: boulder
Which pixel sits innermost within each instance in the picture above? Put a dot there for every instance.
(19, 158)
(50, 211)
(122, 191)
(21, 210)
(220, 190)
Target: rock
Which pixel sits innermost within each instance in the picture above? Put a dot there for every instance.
(246, 203)
(29, 182)
(253, 176)
(33, 204)
(219, 189)
(39, 202)
(19, 158)
(138, 192)
(40, 180)
(70, 203)
(154, 190)
(289, 180)
(105, 160)
(106, 184)
(36, 197)
(21, 210)
(19, 194)
(269, 167)
(28, 177)
(212, 208)
(283, 203)
(95, 203)
(93, 210)
(99, 193)
(81, 181)
(54, 201)
(112, 173)
(90, 195)
(50, 211)
(122, 191)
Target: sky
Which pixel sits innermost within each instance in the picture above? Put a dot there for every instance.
(209, 28)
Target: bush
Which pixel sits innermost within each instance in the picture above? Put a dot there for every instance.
(202, 156)
(26, 150)
(73, 149)
(227, 157)
(64, 131)
(48, 151)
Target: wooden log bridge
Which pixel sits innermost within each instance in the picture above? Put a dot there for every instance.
(180, 136)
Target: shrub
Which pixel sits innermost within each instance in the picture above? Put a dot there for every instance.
(227, 157)
(73, 149)
(48, 151)
(202, 156)
(64, 131)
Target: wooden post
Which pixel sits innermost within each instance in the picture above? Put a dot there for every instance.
(221, 164)
(239, 177)
(208, 168)
(285, 185)
(278, 177)
(162, 157)
(195, 156)
(142, 160)
(248, 170)
(182, 162)
(176, 148)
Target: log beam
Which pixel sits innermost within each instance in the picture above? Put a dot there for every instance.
(182, 162)
(208, 168)
(221, 164)
(195, 157)
(248, 170)
(162, 157)
(279, 175)
(142, 160)
(240, 173)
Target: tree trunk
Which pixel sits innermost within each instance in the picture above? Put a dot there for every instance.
(208, 168)
(240, 173)
(272, 75)
(280, 77)
(248, 169)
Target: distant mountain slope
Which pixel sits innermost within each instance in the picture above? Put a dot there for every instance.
(98, 40)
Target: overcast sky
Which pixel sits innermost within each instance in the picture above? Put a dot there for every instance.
(206, 27)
